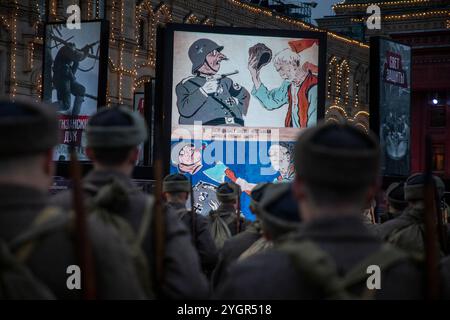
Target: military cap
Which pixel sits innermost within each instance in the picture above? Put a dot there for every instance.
(199, 50)
(415, 187)
(262, 53)
(26, 127)
(337, 155)
(116, 127)
(227, 192)
(257, 193)
(176, 183)
(395, 194)
(279, 212)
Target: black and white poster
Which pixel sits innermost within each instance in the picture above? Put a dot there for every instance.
(392, 105)
(73, 79)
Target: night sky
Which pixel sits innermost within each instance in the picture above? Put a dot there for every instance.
(323, 9)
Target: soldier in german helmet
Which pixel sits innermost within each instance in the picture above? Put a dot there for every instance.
(236, 245)
(207, 96)
(405, 231)
(337, 168)
(36, 238)
(396, 202)
(113, 137)
(176, 190)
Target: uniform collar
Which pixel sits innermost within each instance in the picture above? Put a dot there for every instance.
(101, 177)
(335, 228)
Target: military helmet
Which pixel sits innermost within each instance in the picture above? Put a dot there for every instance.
(199, 50)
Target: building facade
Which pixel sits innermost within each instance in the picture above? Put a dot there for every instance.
(425, 26)
(132, 45)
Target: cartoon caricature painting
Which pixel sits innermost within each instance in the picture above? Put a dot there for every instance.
(299, 86)
(251, 94)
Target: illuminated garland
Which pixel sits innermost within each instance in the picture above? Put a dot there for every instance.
(336, 107)
(331, 64)
(208, 22)
(356, 95)
(341, 73)
(294, 22)
(14, 51)
(161, 14)
(409, 16)
(191, 19)
(380, 4)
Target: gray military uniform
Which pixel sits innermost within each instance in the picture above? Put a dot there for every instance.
(183, 276)
(412, 242)
(225, 107)
(272, 275)
(204, 243)
(54, 251)
(228, 214)
(232, 249)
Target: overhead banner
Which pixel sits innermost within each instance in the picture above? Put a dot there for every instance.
(236, 100)
(391, 102)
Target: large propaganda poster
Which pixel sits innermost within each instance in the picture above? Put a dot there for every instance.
(239, 98)
(392, 105)
(74, 74)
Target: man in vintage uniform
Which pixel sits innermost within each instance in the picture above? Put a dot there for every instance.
(299, 86)
(176, 190)
(207, 96)
(38, 240)
(64, 69)
(337, 167)
(113, 137)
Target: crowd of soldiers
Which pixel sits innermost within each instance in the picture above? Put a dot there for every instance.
(311, 238)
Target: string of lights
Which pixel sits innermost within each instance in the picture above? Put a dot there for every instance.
(407, 16)
(154, 17)
(380, 4)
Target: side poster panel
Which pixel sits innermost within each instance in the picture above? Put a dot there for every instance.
(394, 101)
(74, 76)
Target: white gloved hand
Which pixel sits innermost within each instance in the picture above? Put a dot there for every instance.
(210, 86)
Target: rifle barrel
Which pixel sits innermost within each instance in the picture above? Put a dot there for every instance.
(83, 244)
(431, 241)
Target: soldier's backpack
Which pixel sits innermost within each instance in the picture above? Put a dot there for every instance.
(16, 280)
(320, 270)
(410, 238)
(107, 203)
(260, 245)
(219, 229)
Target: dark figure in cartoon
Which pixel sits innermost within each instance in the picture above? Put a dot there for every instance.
(64, 69)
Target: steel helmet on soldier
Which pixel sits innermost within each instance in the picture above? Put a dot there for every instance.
(199, 50)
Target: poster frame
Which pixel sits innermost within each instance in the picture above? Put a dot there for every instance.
(62, 167)
(164, 74)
